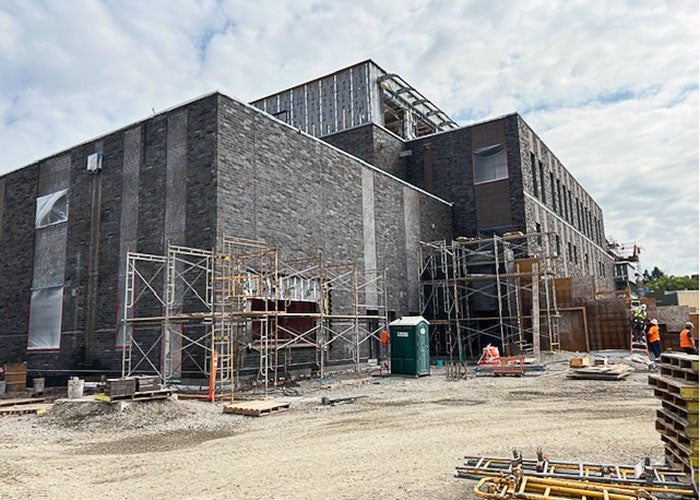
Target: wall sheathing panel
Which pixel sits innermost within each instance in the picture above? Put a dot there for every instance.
(359, 109)
(329, 112)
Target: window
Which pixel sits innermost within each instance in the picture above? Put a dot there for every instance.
(534, 174)
(45, 312)
(538, 230)
(51, 209)
(544, 195)
(554, 194)
(490, 164)
(557, 242)
(560, 207)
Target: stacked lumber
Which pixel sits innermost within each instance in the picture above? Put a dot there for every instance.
(603, 372)
(676, 386)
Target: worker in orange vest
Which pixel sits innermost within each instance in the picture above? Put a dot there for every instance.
(384, 339)
(687, 340)
(654, 339)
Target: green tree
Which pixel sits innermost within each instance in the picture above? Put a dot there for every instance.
(658, 281)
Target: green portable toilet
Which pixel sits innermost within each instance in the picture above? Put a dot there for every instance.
(410, 351)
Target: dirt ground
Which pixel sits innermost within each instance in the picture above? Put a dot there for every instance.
(401, 440)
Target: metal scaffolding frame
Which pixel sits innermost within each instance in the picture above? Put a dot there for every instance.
(478, 291)
(206, 312)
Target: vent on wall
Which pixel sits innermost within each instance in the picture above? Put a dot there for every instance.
(94, 163)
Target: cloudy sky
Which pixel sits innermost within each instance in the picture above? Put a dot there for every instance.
(610, 86)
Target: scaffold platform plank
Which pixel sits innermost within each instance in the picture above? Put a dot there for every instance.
(255, 408)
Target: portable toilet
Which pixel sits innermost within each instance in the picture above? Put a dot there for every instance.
(410, 350)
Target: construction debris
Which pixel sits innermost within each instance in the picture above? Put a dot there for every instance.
(502, 478)
(604, 372)
(337, 401)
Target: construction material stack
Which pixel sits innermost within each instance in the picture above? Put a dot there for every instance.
(676, 385)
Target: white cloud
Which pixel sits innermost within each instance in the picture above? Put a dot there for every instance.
(611, 87)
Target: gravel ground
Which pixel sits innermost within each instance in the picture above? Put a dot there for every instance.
(402, 439)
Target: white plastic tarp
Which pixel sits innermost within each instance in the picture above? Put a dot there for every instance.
(52, 208)
(45, 314)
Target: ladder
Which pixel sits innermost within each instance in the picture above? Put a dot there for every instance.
(638, 342)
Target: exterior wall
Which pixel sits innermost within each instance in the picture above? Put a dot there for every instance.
(156, 185)
(335, 102)
(373, 144)
(16, 260)
(559, 204)
(302, 196)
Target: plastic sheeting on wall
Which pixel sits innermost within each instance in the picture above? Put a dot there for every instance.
(45, 314)
(52, 208)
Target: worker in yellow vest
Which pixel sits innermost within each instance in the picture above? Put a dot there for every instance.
(654, 340)
(687, 340)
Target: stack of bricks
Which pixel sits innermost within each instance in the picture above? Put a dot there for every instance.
(676, 386)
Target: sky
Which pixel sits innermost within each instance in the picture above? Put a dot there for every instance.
(610, 86)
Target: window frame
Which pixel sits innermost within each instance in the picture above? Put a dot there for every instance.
(475, 154)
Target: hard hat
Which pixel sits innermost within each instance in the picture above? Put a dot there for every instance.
(689, 325)
(654, 322)
(644, 306)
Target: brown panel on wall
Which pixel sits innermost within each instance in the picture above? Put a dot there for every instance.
(492, 201)
(572, 332)
(487, 134)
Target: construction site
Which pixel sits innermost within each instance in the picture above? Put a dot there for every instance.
(332, 292)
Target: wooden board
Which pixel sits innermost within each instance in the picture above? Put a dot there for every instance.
(614, 372)
(255, 408)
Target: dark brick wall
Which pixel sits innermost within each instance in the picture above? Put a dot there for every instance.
(16, 261)
(295, 193)
(373, 144)
(246, 175)
(442, 165)
(17, 242)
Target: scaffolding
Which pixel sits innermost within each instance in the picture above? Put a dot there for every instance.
(498, 290)
(241, 309)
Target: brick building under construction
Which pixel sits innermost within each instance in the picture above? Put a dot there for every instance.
(287, 232)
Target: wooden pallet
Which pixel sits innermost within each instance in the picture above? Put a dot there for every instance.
(137, 396)
(23, 409)
(255, 408)
(20, 401)
(681, 360)
(678, 423)
(679, 388)
(669, 399)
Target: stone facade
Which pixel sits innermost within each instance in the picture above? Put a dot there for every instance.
(537, 195)
(186, 176)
